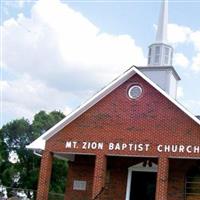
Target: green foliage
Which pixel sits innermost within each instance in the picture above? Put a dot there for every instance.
(17, 134)
(14, 136)
(3, 154)
(43, 121)
(58, 178)
(3, 149)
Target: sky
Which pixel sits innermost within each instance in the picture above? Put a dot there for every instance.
(56, 54)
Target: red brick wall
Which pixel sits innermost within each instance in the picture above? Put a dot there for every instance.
(151, 119)
(81, 169)
(177, 174)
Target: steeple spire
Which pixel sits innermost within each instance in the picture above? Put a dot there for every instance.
(160, 69)
(161, 35)
(160, 53)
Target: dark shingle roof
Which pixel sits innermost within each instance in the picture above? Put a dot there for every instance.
(198, 116)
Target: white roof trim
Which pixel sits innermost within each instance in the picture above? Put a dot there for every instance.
(39, 143)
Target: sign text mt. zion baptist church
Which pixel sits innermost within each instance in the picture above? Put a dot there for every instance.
(135, 147)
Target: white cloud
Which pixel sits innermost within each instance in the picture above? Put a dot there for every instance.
(181, 60)
(184, 35)
(24, 97)
(62, 42)
(195, 38)
(196, 63)
(62, 51)
(178, 34)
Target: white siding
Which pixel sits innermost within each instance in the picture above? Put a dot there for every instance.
(164, 78)
(172, 86)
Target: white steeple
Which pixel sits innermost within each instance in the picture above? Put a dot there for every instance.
(161, 36)
(160, 53)
(160, 69)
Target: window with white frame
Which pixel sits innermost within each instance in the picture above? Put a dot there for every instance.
(149, 56)
(166, 55)
(157, 54)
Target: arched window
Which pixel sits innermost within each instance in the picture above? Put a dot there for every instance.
(192, 183)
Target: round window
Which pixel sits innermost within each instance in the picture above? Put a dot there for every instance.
(135, 92)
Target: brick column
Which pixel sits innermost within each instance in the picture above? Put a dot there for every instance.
(99, 175)
(45, 175)
(162, 179)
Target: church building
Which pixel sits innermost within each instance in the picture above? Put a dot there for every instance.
(132, 140)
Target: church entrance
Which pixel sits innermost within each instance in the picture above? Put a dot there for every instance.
(143, 185)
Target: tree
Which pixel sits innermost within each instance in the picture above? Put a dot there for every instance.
(3, 153)
(3, 161)
(43, 121)
(14, 137)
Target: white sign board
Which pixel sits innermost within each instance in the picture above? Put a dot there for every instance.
(79, 185)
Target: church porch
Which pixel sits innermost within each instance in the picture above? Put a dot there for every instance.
(99, 177)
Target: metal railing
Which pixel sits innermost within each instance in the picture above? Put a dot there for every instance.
(98, 196)
(192, 188)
